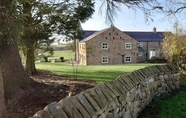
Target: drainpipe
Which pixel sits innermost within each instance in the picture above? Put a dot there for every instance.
(147, 50)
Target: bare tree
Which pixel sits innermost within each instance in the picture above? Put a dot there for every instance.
(113, 6)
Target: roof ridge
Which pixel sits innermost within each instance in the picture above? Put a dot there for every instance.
(95, 34)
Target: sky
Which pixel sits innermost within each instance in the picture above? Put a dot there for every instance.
(128, 20)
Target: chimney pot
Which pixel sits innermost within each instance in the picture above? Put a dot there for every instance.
(154, 29)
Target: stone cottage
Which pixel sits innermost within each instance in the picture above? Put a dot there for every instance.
(113, 46)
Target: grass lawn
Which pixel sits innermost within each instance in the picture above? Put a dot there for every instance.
(99, 73)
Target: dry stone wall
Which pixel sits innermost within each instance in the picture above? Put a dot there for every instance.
(124, 97)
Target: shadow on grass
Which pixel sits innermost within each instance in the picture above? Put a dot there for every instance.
(98, 76)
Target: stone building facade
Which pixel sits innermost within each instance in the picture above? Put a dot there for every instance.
(113, 46)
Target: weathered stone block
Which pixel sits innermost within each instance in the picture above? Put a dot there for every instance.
(101, 95)
(161, 77)
(55, 110)
(133, 90)
(138, 104)
(154, 84)
(110, 115)
(79, 107)
(124, 83)
(120, 87)
(112, 88)
(169, 83)
(86, 104)
(166, 76)
(106, 94)
(170, 76)
(103, 115)
(94, 95)
(109, 94)
(127, 114)
(128, 97)
(91, 101)
(136, 80)
(43, 114)
(69, 108)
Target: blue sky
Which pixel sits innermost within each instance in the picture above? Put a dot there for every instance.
(128, 20)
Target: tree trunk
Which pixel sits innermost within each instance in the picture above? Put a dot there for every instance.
(28, 39)
(30, 62)
(14, 77)
(2, 99)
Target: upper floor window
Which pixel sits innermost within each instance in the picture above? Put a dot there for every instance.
(104, 46)
(140, 44)
(128, 45)
(104, 59)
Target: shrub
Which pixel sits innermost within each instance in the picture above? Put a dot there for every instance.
(46, 59)
(62, 59)
(157, 60)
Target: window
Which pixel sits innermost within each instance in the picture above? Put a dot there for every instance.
(83, 46)
(140, 53)
(104, 59)
(152, 53)
(128, 45)
(104, 46)
(127, 58)
(140, 44)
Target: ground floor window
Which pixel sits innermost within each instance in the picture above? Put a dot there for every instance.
(127, 58)
(140, 53)
(152, 53)
(105, 59)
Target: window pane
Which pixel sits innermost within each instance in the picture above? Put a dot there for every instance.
(141, 45)
(105, 59)
(140, 53)
(128, 45)
(128, 59)
(104, 46)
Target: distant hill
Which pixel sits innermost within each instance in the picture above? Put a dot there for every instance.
(59, 47)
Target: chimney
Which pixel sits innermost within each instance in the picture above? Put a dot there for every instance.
(154, 29)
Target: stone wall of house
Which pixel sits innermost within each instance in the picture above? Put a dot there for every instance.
(147, 46)
(116, 40)
(82, 54)
(123, 97)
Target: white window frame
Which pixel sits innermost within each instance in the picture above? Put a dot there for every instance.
(104, 45)
(140, 44)
(140, 53)
(128, 45)
(105, 59)
(128, 56)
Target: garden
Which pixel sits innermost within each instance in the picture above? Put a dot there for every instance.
(58, 80)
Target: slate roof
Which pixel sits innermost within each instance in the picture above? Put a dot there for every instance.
(139, 36)
(87, 35)
(146, 36)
